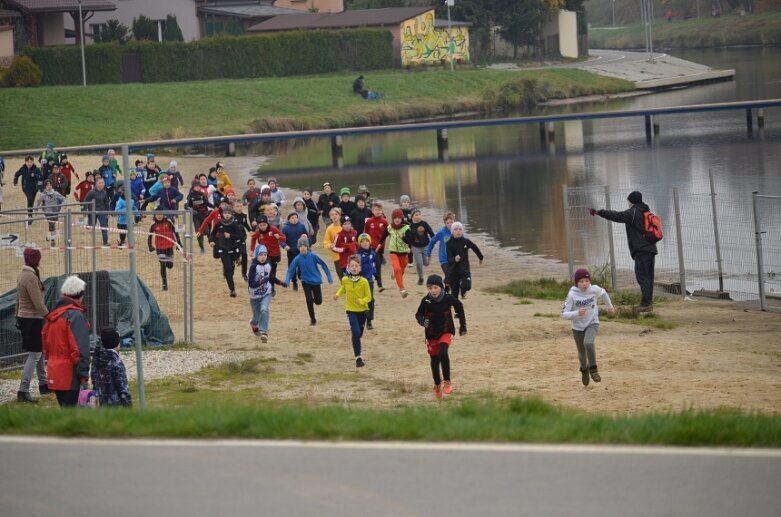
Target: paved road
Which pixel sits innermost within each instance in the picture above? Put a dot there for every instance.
(49, 477)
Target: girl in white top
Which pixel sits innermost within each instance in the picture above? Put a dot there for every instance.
(581, 308)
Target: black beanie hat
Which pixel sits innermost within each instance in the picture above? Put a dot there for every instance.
(435, 280)
(109, 338)
(635, 197)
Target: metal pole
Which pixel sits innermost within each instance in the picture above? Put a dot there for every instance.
(131, 257)
(679, 235)
(651, 29)
(83, 61)
(185, 284)
(68, 239)
(565, 198)
(94, 286)
(716, 230)
(613, 4)
(190, 232)
(611, 245)
(760, 261)
(450, 34)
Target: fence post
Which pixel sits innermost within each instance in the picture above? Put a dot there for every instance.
(611, 245)
(185, 283)
(131, 257)
(679, 235)
(716, 231)
(190, 231)
(68, 239)
(565, 198)
(760, 261)
(94, 286)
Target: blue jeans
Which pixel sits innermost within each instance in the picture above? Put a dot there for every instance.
(357, 322)
(103, 223)
(260, 312)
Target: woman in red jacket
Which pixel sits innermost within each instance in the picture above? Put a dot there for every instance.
(66, 343)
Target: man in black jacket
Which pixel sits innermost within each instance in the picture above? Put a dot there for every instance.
(642, 251)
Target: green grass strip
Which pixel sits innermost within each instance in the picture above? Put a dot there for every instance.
(478, 420)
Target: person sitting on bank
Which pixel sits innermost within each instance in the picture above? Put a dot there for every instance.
(358, 86)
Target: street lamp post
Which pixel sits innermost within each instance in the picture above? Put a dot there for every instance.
(450, 3)
(81, 34)
(613, 11)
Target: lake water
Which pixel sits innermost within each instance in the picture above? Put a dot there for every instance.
(503, 182)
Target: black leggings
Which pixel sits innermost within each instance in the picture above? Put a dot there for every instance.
(313, 296)
(291, 254)
(165, 265)
(228, 266)
(460, 282)
(30, 202)
(378, 267)
(441, 360)
(197, 222)
(68, 398)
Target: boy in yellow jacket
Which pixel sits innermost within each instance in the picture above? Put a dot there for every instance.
(330, 236)
(357, 294)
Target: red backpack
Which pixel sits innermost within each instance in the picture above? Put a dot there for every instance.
(652, 227)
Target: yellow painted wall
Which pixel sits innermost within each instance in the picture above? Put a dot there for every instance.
(421, 43)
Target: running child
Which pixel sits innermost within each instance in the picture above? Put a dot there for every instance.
(241, 219)
(581, 308)
(398, 246)
(327, 200)
(357, 295)
(368, 270)
(121, 212)
(299, 207)
(59, 180)
(67, 168)
(51, 201)
(260, 281)
(458, 260)
(441, 238)
(251, 194)
(293, 229)
(108, 174)
(435, 315)
(345, 204)
(312, 213)
(345, 243)
(377, 228)
(198, 202)
(420, 235)
(330, 236)
(165, 237)
(305, 267)
(360, 214)
(274, 241)
(277, 196)
(226, 240)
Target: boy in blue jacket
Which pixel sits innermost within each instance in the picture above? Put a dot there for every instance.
(305, 266)
(368, 270)
(293, 230)
(441, 237)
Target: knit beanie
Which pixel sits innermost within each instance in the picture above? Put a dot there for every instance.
(291, 214)
(456, 226)
(404, 199)
(364, 236)
(581, 274)
(32, 257)
(435, 280)
(109, 338)
(303, 241)
(397, 213)
(345, 190)
(635, 197)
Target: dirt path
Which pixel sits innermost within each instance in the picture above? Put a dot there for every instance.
(719, 354)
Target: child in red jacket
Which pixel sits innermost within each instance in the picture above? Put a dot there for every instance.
(273, 239)
(376, 227)
(165, 238)
(346, 243)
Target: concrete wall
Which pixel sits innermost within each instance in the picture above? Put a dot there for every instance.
(184, 10)
(422, 43)
(322, 6)
(52, 28)
(6, 42)
(568, 34)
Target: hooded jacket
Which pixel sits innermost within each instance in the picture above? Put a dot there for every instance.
(577, 299)
(307, 267)
(66, 345)
(436, 316)
(460, 248)
(50, 201)
(293, 232)
(346, 245)
(231, 244)
(633, 220)
(109, 378)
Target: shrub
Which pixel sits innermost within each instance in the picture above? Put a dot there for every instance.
(22, 72)
(62, 64)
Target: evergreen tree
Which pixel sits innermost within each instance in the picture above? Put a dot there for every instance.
(172, 31)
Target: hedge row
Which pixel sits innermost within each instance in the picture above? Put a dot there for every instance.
(279, 54)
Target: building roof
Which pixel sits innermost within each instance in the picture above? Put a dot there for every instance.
(442, 24)
(4, 28)
(6, 13)
(357, 18)
(60, 6)
(247, 11)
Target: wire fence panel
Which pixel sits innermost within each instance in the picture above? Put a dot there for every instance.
(77, 247)
(768, 217)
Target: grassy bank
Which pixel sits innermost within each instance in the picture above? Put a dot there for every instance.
(119, 113)
(756, 29)
(488, 419)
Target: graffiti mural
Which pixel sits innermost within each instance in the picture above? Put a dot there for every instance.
(422, 43)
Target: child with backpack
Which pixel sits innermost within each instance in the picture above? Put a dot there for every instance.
(435, 315)
(581, 308)
(355, 289)
(109, 378)
(458, 260)
(260, 281)
(162, 239)
(305, 266)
